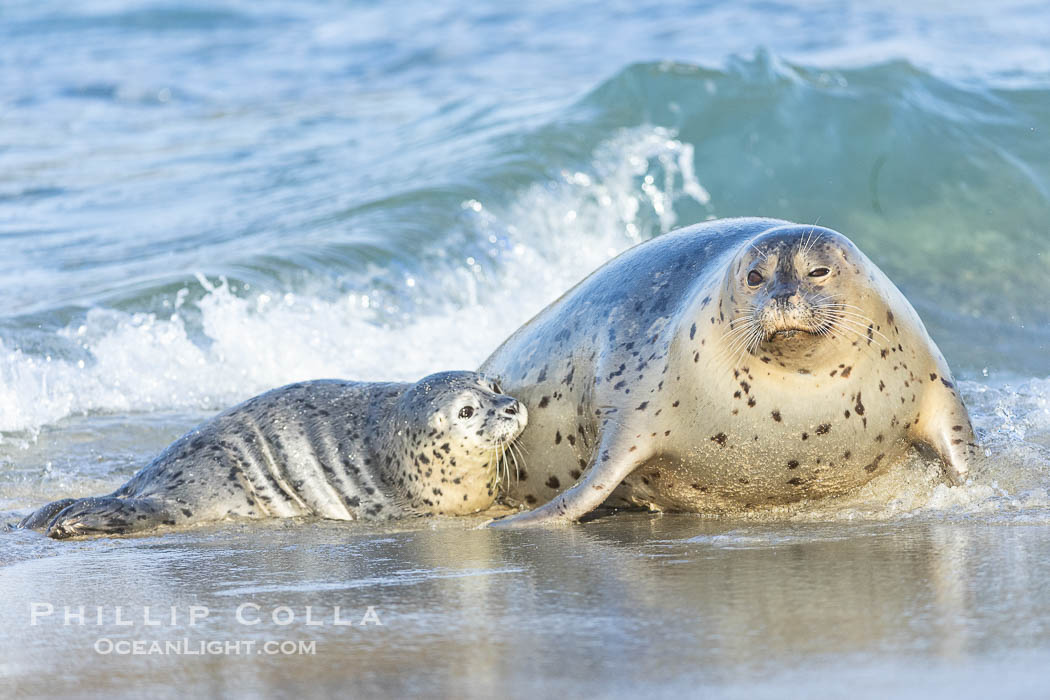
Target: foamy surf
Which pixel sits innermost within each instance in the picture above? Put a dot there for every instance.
(240, 341)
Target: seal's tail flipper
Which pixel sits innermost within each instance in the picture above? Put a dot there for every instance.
(39, 519)
(109, 515)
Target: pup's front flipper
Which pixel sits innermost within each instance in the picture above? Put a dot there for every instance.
(109, 516)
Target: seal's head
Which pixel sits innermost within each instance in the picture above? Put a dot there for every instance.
(794, 290)
(454, 431)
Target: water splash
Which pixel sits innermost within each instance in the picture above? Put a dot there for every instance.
(230, 343)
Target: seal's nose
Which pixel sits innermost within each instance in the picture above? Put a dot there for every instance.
(786, 296)
(516, 410)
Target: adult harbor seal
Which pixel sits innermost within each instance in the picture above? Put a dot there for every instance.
(728, 365)
(335, 449)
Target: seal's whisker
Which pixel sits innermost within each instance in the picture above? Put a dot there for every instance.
(839, 306)
(840, 326)
(860, 318)
(515, 451)
(505, 458)
(866, 325)
(742, 329)
(748, 345)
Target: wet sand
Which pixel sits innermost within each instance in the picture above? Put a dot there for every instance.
(630, 604)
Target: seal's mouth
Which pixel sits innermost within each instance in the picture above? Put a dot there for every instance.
(790, 333)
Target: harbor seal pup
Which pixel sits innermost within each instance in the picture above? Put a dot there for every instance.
(728, 365)
(335, 449)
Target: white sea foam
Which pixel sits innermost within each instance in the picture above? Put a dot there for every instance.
(547, 239)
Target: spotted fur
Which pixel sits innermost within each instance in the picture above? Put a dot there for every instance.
(726, 366)
(329, 448)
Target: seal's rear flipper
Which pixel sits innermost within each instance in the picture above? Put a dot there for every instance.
(109, 516)
(38, 519)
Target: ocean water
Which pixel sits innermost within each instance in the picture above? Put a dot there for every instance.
(202, 200)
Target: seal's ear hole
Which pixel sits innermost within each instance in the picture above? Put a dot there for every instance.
(466, 412)
(754, 278)
(819, 272)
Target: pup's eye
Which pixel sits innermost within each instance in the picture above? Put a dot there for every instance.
(754, 278)
(466, 412)
(819, 272)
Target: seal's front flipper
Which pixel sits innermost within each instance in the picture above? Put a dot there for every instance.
(612, 462)
(109, 516)
(38, 519)
(944, 426)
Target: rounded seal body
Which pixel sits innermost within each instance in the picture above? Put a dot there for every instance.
(727, 365)
(330, 448)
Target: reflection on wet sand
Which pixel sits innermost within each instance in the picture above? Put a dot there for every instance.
(664, 603)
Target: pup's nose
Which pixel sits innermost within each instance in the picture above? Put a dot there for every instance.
(517, 410)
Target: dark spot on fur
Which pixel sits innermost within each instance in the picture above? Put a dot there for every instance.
(823, 429)
(793, 464)
(553, 482)
(720, 439)
(776, 416)
(544, 401)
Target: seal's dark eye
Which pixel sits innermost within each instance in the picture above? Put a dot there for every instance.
(819, 272)
(466, 412)
(496, 388)
(754, 278)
